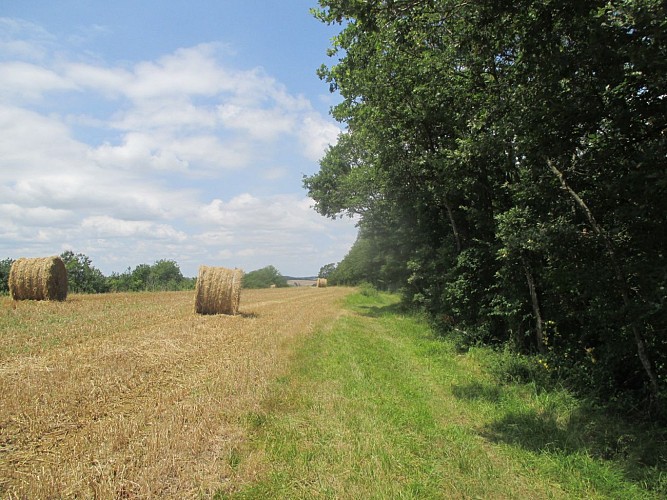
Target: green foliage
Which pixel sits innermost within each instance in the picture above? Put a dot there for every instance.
(82, 276)
(507, 366)
(264, 278)
(5, 267)
(163, 275)
(141, 276)
(370, 260)
(506, 162)
(120, 282)
(327, 270)
(367, 290)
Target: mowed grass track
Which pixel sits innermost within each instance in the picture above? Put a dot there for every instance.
(134, 395)
(375, 407)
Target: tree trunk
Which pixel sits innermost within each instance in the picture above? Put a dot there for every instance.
(619, 276)
(539, 324)
(452, 222)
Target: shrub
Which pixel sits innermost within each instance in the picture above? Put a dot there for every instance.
(367, 290)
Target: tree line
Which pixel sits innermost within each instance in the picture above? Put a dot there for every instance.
(507, 163)
(162, 275)
(83, 277)
(265, 277)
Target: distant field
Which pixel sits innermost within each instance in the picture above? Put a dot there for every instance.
(124, 395)
(302, 282)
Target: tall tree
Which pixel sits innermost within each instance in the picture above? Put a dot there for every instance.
(518, 149)
(164, 275)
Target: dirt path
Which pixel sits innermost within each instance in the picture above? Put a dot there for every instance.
(133, 394)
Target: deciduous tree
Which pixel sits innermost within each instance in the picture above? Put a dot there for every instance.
(511, 156)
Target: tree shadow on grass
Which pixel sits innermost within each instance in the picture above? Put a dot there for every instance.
(639, 451)
(530, 430)
(535, 431)
(476, 391)
(375, 311)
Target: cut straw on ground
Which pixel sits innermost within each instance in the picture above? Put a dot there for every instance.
(135, 395)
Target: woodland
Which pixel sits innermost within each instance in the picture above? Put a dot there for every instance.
(506, 163)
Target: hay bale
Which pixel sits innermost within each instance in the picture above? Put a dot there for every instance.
(218, 290)
(42, 278)
(321, 282)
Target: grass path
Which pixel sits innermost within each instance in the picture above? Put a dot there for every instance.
(374, 407)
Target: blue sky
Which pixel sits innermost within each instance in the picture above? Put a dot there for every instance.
(133, 131)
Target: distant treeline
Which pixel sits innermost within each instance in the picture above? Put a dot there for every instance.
(163, 275)
(264, 278)
(83, 277)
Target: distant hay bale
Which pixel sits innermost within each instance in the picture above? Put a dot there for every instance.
(218, 290)
(321, 282)
(42, 278)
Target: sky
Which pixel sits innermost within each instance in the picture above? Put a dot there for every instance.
(138, 130)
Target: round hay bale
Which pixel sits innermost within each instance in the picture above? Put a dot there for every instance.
(42, 278)
(321, 282)
(218, 290)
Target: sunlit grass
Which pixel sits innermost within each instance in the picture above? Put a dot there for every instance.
(375, 407)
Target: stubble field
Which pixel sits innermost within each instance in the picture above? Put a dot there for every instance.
(126, 395)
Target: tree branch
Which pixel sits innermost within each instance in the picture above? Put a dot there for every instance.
(619, 275)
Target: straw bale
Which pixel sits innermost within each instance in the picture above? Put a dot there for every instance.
(218, 290)
(42, 278)
(321, 282)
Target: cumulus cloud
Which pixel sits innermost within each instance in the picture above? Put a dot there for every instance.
(277, 213)
(104, 226)
(34, 142)
(24, 81)
(177, 157)
(33, 216)
(316, 134)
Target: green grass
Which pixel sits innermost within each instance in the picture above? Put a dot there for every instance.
(376, 407)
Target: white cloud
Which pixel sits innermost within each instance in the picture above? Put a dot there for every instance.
(33, 216)
(263, 124)
(170, 114)
(139, 151)
(109, 82)
(140, 165)
(185, 131)
(34, 142)
(24, 81)
(109, 227)
(316, 134)
(275, 214)
(192, 71)
(274, 173)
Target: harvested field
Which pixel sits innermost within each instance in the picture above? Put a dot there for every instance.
(135, 395)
